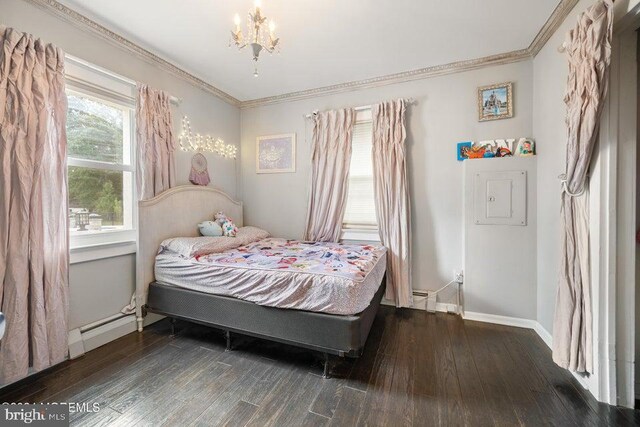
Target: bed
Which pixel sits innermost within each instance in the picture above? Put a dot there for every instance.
(331, 317)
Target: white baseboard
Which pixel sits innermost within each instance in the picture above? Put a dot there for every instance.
(544, 334)
(501, 320)
(76, 345)
(109, 332)
(82, 342)
(517, 322)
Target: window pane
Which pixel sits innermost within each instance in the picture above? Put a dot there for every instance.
(360, 211)
(95, 130)
(360, 202)
(97, 199)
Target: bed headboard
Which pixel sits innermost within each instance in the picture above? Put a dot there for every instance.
(174, 213)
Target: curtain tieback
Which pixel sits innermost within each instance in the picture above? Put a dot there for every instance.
(565, 188)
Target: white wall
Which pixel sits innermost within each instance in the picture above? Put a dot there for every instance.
(549, 81)
(500, 260)
(101, 288)
(445, 114)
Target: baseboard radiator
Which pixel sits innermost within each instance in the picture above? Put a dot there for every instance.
(96, 334)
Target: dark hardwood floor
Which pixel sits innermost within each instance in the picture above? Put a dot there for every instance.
(418, 369)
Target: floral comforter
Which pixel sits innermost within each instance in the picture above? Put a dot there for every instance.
(336, 259)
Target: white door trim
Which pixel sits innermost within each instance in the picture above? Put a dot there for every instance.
(617, 293)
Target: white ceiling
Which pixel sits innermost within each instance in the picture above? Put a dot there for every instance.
(324, 42)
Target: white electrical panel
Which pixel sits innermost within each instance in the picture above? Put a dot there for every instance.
(500, 198)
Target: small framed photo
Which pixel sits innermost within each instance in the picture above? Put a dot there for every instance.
(525, 147)
(495, 102)
(276, 153)
(463, 149)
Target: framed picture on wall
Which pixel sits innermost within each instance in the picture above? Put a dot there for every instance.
(276, 153)
(495, 102)
(463, 149)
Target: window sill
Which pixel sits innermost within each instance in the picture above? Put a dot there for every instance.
(85, 253)
(80, 239)
(360, 235)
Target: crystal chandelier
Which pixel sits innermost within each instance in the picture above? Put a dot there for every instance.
(257, 36)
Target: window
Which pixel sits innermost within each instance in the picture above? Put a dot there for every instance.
(101, 170)
(360, 221)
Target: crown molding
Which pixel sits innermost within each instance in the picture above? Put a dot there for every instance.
(84, 23)
(554, 21)
(558, 16)
(407, 76)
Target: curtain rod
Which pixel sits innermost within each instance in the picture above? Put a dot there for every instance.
(409, 101)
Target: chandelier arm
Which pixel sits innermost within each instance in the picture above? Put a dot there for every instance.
(258, 37)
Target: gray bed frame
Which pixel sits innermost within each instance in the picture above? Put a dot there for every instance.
(176, 212)
(330, 334)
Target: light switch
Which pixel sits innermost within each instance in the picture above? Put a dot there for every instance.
(500, 198)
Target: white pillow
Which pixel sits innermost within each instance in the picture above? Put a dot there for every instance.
(194, 246)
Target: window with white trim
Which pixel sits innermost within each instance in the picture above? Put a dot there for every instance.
(100, 158)
(360, 222)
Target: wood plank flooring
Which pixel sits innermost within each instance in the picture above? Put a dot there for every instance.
(417, 369)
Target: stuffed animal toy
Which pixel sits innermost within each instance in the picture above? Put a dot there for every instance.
(229, 229)
(210, 229)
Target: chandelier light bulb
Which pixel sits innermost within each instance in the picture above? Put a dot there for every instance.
(260, 34)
